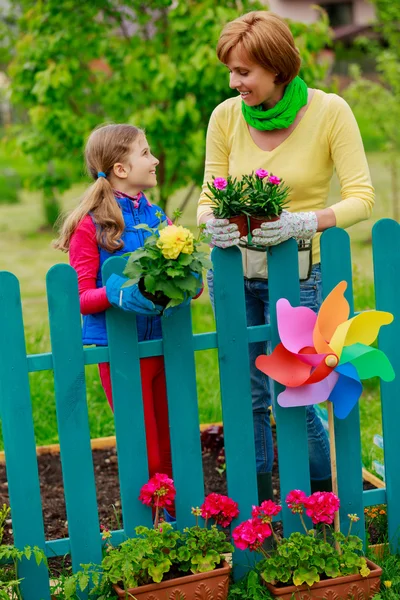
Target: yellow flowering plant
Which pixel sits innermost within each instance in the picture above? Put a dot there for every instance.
(168, 267)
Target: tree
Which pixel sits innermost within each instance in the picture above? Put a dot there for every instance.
(127, 62)
(381, 100)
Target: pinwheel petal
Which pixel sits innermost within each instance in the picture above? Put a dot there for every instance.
(308, 394)
(295, 325)
(369, 362)
(347, 390)
(362, 329)
(334, 310)
(283, 366)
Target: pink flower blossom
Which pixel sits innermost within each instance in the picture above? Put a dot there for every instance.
(261, 173)
(274, 180)
(158, 491)
(220, 183)
(251, 534)
(321, 507)
(266, 511)
(220, 508)
(295, 501)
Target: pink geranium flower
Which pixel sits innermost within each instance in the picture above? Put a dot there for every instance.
(295, 501)
(159, 491)
(274, 180)
(266, 511)
(261, 173)
(220, 183)
(251, 534)
(220, 508)
(321, 507)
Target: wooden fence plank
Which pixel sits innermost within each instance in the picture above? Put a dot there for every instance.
(19, 439)
(233, 358)
(336, 267)
(183, 414)
(386, 252)
(72, 415)
(128, 408)
(291, 429)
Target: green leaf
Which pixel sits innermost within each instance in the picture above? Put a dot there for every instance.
(305, 575)
(170, 289)
(150, 284)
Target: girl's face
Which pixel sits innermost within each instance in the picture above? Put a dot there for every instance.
(138, 171)
(254, 83)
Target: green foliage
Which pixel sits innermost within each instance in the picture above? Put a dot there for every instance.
(229, 201)
(202, 549)
(151, 65)
(265, 199)
(302, 558)
(249, 588)
(9, 580)
(170, 263)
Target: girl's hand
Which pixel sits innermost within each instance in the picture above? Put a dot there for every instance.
(223, 234)
(300, 226)
(129, 298)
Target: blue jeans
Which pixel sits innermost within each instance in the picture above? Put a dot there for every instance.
(257, 309)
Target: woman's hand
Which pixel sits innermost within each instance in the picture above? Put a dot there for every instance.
(223, 234)
(300, 226)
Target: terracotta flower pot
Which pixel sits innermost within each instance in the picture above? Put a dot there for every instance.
(241, 222)
(256, 222)
(158, 298)
(208, 586)
(348, 587)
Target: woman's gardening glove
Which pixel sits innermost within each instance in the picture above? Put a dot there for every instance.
(300, 226)
(223, 234)
(129, 298)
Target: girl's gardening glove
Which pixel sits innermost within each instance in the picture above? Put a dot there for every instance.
(223, 234)
(129, 298)
(300, 226)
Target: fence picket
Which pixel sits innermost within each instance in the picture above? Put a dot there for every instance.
(72, 415)
(291, 429)
(128, 408)
(336, 267)
(386, 253)
(19, 440)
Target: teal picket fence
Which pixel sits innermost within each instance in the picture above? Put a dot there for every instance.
(68, 359)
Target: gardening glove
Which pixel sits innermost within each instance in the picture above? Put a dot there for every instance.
(129, 298)
(172, 309)
(223, 234)
(300, 226)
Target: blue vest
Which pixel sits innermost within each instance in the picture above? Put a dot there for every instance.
(149, 328)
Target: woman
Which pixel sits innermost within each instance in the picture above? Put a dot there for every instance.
(299, 134)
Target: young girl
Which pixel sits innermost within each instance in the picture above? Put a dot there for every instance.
(119, 159)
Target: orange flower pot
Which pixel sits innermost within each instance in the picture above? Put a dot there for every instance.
(348, 587)
(241, 222)
(256, 222)
(208, 586)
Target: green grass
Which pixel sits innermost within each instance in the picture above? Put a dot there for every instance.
(26, 251)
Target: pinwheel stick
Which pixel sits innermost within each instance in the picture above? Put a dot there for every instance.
(332, 444)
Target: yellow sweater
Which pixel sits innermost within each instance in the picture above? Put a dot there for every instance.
(327, 137)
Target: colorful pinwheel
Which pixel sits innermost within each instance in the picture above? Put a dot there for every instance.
(324, 356)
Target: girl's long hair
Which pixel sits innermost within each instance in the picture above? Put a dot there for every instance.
(107, 145)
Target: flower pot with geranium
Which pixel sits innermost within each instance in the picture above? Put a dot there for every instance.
(316, 563)
(168, 267)
(266, 197)
(229, 201)
(163, 562)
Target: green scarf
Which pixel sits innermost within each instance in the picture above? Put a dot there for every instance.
(283, 114)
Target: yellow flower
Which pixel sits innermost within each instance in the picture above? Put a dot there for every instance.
(175, 239)
(387, 584)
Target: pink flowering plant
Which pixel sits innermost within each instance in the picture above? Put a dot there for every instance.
(302, 558)
(227, 197)
(162, 551)
(266, 194)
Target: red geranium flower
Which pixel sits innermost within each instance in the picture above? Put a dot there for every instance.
(266, 511)
(251, 534)
(321, 507)
(220, 508)
(158, 491)
(295, 501)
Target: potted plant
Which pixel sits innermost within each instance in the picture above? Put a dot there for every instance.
(377, 529)
(163, 562)
(229, 201)
(168, 267)
(318, 563)
(266, 197)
